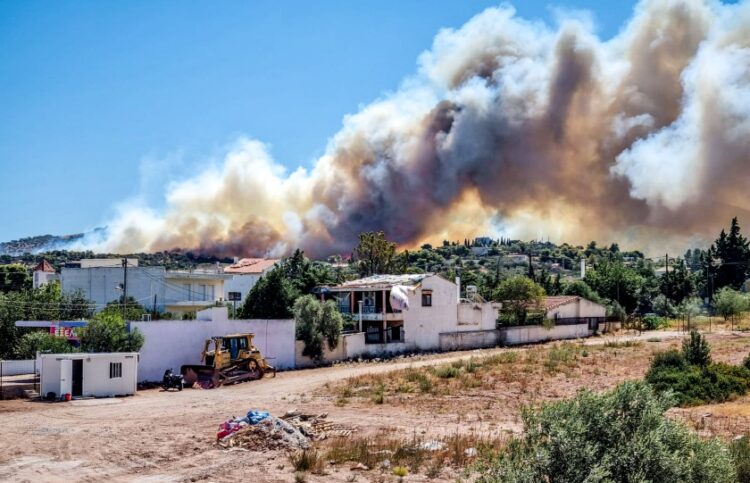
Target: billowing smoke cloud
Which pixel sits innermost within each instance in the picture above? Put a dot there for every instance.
(509, 127)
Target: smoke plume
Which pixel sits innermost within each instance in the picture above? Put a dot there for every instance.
(509, 127)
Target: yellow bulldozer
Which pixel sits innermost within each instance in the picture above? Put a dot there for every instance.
(225, 360)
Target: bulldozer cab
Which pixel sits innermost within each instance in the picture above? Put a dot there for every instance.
(235, 344)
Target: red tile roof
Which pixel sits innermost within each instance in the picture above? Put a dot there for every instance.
(552, 302)
(44, 266)
(251, 266)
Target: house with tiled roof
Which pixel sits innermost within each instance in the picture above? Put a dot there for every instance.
(245, 274)
(43, 274)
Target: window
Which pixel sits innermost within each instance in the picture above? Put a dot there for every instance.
(115, 369)
(426, 298)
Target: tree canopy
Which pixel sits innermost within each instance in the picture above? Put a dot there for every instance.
(317, 323)
(107, 332)
(520, 296)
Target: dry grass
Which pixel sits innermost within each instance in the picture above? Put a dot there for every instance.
(523, 369)
(409, 455)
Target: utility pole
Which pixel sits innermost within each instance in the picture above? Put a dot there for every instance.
(124, 286)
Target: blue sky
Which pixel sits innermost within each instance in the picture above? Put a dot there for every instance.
(91, 93)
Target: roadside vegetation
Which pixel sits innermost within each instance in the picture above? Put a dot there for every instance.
(693, 378)
(620, 435)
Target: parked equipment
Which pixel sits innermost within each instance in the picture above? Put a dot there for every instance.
(171, 381)
(233, 358)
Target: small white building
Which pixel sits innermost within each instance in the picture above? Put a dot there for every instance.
(105, 374)
(43, 274)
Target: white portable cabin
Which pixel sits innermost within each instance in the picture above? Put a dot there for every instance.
(103, 374)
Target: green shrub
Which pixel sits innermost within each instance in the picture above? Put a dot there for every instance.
(39, 341)
(654, 322)
(696, 349)
(740, 451)
(447, 372)
(746, 363)
(622, 435)
(694, 385)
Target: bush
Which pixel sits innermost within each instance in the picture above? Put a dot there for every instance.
(693, 385)
(654, 322)
(621, 435)
(740, 451)
(697, 351)
(38, 341)
(447, 372)
(107, 332)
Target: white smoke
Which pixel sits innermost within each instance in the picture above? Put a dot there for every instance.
(509, 127)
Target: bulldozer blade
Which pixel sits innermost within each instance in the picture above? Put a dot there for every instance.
(205, 376)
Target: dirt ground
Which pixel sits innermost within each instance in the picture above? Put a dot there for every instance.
(158, 436)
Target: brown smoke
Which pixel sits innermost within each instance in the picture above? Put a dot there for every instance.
(509, 128)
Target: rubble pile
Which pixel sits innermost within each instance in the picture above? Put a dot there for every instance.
(260, 431)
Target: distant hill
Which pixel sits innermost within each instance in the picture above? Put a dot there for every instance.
(35, 244)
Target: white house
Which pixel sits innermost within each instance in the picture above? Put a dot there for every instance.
(436, 318)
(43, 274)
(89, 374)
(574, 317)
(245, 274)
(155, 288)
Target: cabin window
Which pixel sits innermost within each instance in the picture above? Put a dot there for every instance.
(115, 370)
(426, 298)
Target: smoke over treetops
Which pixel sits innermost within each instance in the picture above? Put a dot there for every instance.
(508, 128)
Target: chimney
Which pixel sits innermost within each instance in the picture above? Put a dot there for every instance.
(583, 268)
(458, 290)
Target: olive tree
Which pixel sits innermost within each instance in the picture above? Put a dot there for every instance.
(317, 323)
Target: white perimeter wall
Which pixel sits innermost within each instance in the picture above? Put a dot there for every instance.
(536, 333)
(172, 343)
(14, 368)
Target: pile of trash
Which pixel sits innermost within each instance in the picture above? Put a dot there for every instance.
(259, 431)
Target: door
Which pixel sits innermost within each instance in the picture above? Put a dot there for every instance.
(66, 377)
(77, 384)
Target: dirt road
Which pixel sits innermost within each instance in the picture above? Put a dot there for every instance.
(158, 436)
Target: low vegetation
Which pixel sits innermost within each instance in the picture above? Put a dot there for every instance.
(621, 435)
(693, 378)
(486, 374)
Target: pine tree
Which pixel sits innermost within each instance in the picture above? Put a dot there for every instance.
(734, 251)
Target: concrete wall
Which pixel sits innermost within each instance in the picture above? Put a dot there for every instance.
(578, 308)
(337, 354)
(536, 333)
(475, 339)
(95, 378)
(16, 367)
(172, 343)
(351, 346)
(475, 316)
